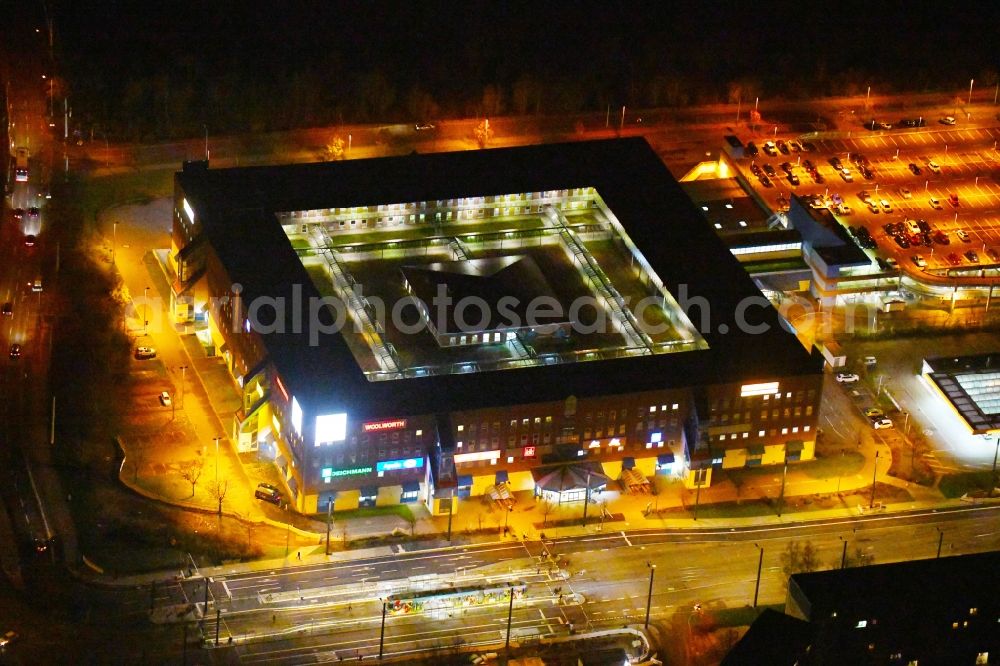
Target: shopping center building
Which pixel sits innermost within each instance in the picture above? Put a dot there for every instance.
(421, 328)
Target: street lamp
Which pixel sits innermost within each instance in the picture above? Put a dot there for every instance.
(993, 477)
(206, 142)
(843, 555)
(871, 504)
(970, 91)
(760, 565)
(940, 540)
(214, 438)
(114, 241)
(510, 614)
(649, 595)
(145, 310)
(381, 635)
(183, 370)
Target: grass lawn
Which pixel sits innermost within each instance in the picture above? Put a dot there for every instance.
(956, 485)
(133, 187)
(400, 510)
(826, 467)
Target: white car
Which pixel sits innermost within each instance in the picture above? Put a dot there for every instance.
(847, 378)
(933, 166)
(886, 206)
(165, 399)
(905, 193)
(919, 261)
(881, 424)
(845, 173)
(843, 209)
(948, 120)
(935, 203)
(963, 236)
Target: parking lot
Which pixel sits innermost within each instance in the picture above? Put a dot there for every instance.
(946, 176)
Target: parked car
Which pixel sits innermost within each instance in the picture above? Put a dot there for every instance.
(953, 259)
(948, 120)
(993, 255)
(935, 203)
(29, 240)
(919, 261)
(15, 351)
(972, 257)
(845, 173)
(933, 166)
(751, 149)
(905, 193)
(8, 309)
(886, 206)
(963, 235)
(846, 378)
(874, 413)
(769, 170)
(808, 147)
(915, 169)
(770, 149)
(783, 147)
(165, 399)
(865, 196)
(144, 353)
(268, 493)
(882, 424)
(953, 200)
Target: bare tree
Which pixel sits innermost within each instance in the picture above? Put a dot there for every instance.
(219, 491)
(334, 150)
(799, 558)
(191, 472)
(483, 133)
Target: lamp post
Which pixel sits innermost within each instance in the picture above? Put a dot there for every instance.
(145, 310)
(760, 566)
(114, 241)
(871, 503)
(940, 540)
(329, 519)
(510, 615)
(451, 505)
(993, 477)
(649, 595)
(843, 555)
(697, 492)
(506, 515)
(183, 370)
(971, 81)
(781, 497)
(215, 439)
(381, 635)
(206, 142)
(586, 499)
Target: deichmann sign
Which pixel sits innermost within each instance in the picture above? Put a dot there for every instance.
(402, 463)
(329, 472)
(379, 426)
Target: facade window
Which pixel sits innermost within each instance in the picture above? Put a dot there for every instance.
(805, 428)
(675, 406)
(809, 410)
(784, 431)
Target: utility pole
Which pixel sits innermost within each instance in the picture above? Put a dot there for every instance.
(843, 555)
(760, 565)
(205, 611)
(218, 622)
(586, 499)
(649, 595)
(940, 541)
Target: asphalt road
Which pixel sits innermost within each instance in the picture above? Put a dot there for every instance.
(332, 610)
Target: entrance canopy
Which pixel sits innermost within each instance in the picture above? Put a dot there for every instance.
(569, 476)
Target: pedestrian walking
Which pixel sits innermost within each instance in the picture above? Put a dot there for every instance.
(298, 554)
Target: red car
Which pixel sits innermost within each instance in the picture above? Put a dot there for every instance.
(953, 259)
(953, 200)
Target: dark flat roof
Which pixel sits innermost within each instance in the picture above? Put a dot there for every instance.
(237, 207)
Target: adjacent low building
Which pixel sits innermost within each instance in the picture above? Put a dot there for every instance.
(940, 611)
(428, 327)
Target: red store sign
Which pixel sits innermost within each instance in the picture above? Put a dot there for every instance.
(529, 452)
(380, 426)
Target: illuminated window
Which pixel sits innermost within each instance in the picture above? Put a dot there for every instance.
(795, 429)
(805, 428)
(674, 406)
(745, 435)
(760, 433)
(652, 409)
(784, 431)
(419, 433)
(461, 428)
